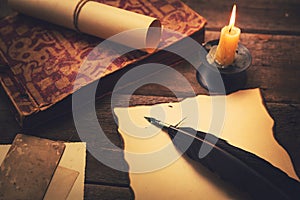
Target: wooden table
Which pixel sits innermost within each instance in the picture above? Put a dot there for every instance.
(270, 30)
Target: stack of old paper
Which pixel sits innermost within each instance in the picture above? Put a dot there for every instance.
(67, 182)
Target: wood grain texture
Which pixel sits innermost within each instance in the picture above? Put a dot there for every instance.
(259, 16)
(286, 129)
(270, 30)
(286, 117)
(275, 69)
(107, 192)
(4, 9)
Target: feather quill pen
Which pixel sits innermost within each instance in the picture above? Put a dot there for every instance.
(244, 170)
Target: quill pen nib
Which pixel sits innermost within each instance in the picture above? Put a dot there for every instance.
(157, 122)
(149, 119)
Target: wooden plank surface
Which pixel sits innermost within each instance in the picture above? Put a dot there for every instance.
(270, 30)
(259, 16)
(286, 116)
(275, 69)
(107, 192)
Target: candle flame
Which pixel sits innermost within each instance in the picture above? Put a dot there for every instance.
(232, 18)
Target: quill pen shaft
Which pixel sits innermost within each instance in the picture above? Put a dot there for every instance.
(244, 170)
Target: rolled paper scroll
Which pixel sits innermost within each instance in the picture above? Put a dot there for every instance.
(96, 19)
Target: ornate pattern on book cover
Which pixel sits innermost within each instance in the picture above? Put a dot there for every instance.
(44, 58)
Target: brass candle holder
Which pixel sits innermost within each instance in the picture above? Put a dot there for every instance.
(234, 76)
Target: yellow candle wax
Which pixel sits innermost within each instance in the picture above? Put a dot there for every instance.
(228, 42)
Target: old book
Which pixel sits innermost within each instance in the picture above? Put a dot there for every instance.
(43, 59)
(29, 167)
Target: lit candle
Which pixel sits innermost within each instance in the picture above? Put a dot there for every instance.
(228, 42)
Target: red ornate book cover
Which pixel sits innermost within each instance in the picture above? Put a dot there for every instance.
(44, 58)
